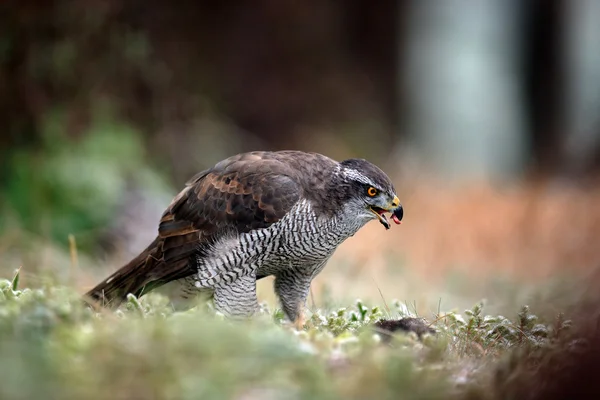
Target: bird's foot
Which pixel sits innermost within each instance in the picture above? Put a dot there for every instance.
(300, 321)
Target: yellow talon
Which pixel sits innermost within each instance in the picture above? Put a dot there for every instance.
(300, 320)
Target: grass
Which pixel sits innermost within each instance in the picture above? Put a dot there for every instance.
(52, 346)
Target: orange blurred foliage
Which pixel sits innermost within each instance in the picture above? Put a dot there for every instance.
(528, 231)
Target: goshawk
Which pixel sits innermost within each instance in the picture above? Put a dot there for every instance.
(254, 215)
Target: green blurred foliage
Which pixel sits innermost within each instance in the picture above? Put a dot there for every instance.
(51, 346)
(73, 185)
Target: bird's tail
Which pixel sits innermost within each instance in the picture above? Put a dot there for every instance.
(134, 277)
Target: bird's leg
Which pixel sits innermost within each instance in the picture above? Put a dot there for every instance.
(237, 298)
(300, 318)
(292, 287)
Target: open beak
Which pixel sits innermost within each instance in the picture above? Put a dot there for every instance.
(394, 207)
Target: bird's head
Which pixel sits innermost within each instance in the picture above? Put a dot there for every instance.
(370, 191)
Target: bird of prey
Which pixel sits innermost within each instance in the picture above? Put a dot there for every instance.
(254, 215)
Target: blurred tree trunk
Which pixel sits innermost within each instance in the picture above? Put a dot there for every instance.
(464, 110)
(544, 83)
(582, 55)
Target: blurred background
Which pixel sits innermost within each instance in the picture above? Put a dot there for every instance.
(485, 114)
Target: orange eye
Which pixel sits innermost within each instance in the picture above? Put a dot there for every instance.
(372, 191)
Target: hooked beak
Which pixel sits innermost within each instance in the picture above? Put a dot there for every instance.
(393, 207)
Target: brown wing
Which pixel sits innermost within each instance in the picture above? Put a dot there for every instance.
(245, 192)
(237, 194)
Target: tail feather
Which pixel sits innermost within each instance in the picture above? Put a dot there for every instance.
(144, 273)
(165, 259)
(131, 278)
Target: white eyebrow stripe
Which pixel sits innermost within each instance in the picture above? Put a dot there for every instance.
(359, 177)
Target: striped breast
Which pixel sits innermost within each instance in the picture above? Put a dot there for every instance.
(299, 240)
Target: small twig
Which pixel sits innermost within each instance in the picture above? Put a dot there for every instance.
(496, 340)
(437, 319)
(382, 298)
(74, 259)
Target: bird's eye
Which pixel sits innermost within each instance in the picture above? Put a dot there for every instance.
(372, 192)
